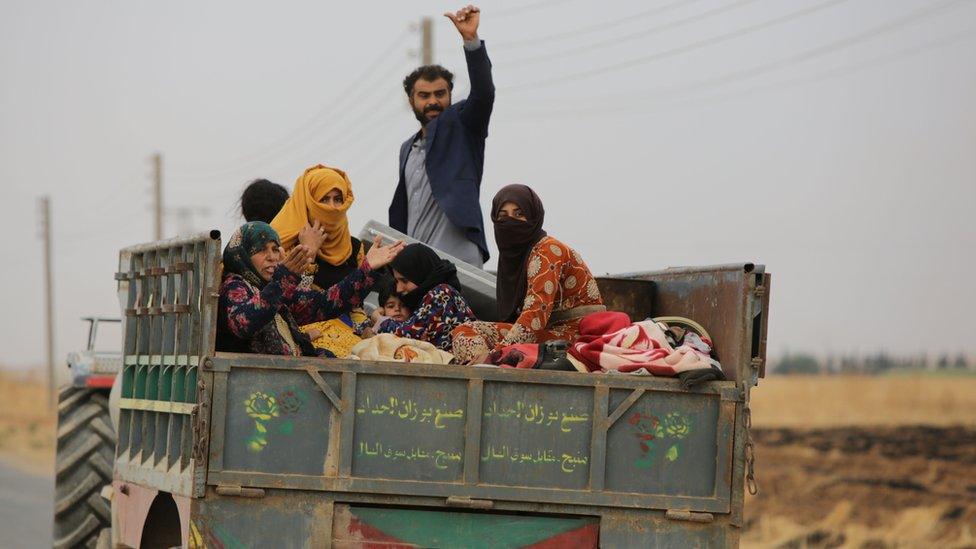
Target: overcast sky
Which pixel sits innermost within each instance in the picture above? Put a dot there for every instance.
(831, 140)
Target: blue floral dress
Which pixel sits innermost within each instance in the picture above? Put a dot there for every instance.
(441, 310)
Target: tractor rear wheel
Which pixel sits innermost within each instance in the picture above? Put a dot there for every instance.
(85, 453)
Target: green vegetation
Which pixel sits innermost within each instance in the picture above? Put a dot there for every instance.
(876, 364)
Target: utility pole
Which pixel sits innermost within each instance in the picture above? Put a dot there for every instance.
(426, 41)
(45, 206)
(157, 160)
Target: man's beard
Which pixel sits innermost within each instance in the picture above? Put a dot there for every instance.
(422, 115)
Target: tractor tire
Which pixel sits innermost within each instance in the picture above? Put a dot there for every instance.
(85, 453)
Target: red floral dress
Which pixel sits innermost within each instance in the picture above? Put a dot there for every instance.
(558, 280)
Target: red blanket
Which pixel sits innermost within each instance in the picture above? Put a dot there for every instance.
(606, 344)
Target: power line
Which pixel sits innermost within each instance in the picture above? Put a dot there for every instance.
(519, 10)
(643, 60)
(575, 33)
(618, 40)
(353, 132)
(325, 115)
(852, 68)
(329, 133)
(362, 131)
(803, 56)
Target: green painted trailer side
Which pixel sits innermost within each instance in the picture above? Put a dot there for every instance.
(299, 452)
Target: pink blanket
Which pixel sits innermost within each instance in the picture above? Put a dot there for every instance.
(638, 348)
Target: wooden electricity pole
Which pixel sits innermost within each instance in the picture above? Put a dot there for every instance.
(45, 205)
(157, 160)
(426, 41)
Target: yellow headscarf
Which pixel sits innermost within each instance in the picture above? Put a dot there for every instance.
(305, 206)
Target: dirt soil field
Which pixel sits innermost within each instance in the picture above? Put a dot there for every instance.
(909, 486)
(864, 462)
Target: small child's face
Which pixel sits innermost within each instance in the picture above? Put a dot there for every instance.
(395, 309)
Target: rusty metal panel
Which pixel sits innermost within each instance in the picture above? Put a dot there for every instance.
(651, 530)
(389, 527)
(536, 435)
(285, 519)
(277, 423)
(761, 324)
(632, 296)
(409, 428)
(720, 298)
(664, 443)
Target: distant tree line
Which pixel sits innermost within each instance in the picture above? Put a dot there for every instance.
(879, 363)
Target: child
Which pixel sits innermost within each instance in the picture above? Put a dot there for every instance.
(262, 200)
(391, 306)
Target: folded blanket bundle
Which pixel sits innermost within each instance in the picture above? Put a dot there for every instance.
(388, 347)
(609, 342)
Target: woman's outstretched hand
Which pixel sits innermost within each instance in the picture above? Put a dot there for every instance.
(380, 255)
(297, 258)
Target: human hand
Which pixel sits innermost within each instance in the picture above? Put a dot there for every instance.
(480, 359)
(297, 258)
(313, 333)
(466, 20)
(380, 255)
(377, 316)
(312, 236)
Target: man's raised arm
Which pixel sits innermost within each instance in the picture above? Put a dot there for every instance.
(476, 111)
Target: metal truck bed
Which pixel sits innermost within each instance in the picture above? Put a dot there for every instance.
(254, 450)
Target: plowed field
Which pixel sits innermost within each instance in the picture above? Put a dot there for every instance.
(875, 484)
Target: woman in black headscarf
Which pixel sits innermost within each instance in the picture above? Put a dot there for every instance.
(429, 287)
(543, 287)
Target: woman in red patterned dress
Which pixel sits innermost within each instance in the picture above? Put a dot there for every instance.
(543, 286)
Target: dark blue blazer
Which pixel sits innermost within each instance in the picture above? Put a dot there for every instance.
(456, 155)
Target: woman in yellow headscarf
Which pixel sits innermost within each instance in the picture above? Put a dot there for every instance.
(324, 195)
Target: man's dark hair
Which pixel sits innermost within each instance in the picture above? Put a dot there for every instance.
(428, 73)
(262, 200)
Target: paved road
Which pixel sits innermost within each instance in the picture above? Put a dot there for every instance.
(26, 508)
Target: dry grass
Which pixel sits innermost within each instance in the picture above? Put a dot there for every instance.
(27, 424)
(841, 401)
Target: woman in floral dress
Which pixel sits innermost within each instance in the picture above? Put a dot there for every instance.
(429, 287)
(543, 286)
(261, 303)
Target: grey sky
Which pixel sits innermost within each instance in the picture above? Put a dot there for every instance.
(832, 140)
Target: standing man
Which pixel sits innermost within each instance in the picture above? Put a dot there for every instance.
(436, 199)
